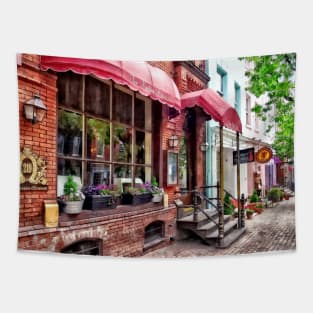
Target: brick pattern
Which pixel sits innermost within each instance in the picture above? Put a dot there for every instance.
(121, 235)
(39, 137)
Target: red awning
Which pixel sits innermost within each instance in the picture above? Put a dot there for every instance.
(213, 104)
(150, 81)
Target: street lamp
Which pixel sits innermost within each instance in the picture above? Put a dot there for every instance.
(34, 109)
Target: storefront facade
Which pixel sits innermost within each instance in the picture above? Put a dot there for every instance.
(101, 129)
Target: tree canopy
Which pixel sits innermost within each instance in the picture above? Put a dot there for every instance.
(274, 76)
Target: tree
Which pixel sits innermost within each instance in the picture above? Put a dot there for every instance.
(274, 76)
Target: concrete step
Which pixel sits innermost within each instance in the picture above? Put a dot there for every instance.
(210, 224)
(231, 237)
(228, 226)
(201, 217)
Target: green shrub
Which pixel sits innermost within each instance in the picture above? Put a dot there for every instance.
(228, 206)
(274, 194)
(254, 197)
(70, 186)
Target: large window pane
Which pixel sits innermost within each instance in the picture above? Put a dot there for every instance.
(97, 97)
(69, 134)
(122, 176)
(69, 167)
(122, 139)
(140, 148)
(122, 107)
(142, 174)
(70, 90)
(98, 139)
(98, 173)
(142, 114)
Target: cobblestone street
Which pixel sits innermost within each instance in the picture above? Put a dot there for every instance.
(273, 230)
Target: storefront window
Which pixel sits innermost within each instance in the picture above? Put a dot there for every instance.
(70, 90)
(97, 97)
(98, 173)
(98, 139)
(107, 137)
(69, 167)
(69, 134)
(182, 163)
(122, 144)
(122, 108)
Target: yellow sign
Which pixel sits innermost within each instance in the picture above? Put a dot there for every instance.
(263, 155)
(51, 213)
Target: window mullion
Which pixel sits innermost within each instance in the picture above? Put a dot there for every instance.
(111, 132)
(84, 137)
(133, 137)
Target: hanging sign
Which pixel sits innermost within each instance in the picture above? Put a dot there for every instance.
(263, 155)
(32, 171)
(246, 156)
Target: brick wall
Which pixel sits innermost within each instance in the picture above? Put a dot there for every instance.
(120, 234)
(39, 137)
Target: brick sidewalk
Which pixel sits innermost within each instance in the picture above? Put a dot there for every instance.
(273, 230)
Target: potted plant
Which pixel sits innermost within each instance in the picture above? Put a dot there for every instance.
(274, 194)
(136, 195)
(73, 198)
(228, 206)
(249, 213)
(100, 197)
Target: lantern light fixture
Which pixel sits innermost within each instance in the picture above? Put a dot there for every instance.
(34, 109)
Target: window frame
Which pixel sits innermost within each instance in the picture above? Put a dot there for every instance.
(85, 115)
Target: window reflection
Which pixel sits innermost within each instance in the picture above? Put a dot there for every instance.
(69, 167)
(69, 134)
(98, 173)
(122, 138)
(140, 147)
(142, 174)
(98, 139)
(97, 97)
(70, 90)
(122, 108)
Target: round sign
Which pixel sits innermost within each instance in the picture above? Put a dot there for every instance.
(263, 155)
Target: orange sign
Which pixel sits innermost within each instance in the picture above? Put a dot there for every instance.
(263, 155)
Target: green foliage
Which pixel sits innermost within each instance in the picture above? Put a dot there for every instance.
(70, 122)
(154, 182)
(254, 197)
(275, 194)
(274, 76)
(249, 211)
(228, 206)
(70, 186)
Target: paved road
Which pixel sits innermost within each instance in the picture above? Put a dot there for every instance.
(273, 230)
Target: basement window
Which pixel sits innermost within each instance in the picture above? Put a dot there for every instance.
(154, 234)
(87, 247)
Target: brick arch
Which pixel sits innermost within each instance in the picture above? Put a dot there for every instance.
(154, 230)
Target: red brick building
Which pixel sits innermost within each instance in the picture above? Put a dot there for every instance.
(73, 106)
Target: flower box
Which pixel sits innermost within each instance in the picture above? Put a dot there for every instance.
(99, 202)
(128, 198)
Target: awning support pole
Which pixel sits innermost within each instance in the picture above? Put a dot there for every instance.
(221, 193)
(238, 182)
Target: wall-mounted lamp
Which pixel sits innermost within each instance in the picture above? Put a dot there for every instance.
(204, 146)
(173, 141)
(34, 109)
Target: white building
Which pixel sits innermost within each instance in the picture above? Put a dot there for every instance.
(227, 76)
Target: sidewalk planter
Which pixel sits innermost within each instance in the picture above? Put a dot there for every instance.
(157, 198)
(99, 202)
(249, 214)
(128, 198)
(73, 207)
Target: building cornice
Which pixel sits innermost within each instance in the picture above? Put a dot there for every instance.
(195, 70)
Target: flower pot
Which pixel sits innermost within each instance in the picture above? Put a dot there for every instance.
(249, 216)
(99, 202)
(157, 198)
(128, 198)
(73, 207)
